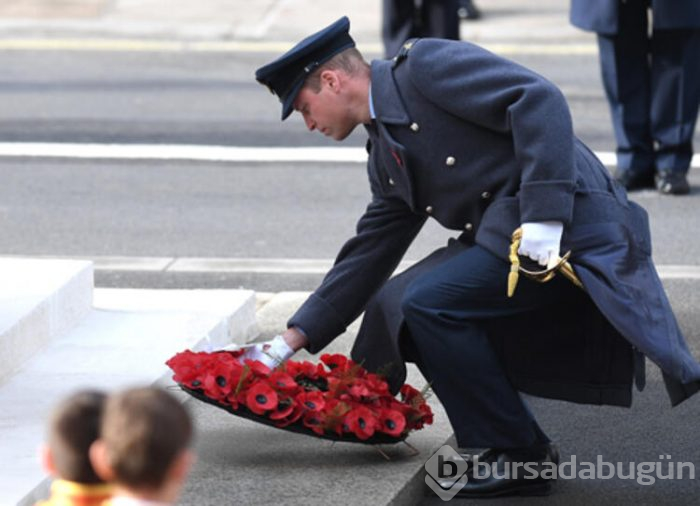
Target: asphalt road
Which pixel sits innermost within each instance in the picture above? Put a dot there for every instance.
(203, 98)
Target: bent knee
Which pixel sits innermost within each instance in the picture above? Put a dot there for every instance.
(419, 297)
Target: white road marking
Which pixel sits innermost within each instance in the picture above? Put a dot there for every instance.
(207, 153)
(184, 152)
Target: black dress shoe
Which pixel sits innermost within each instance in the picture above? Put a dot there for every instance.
(633, 180)
(550, 449)
(520, 471)
(672, 183)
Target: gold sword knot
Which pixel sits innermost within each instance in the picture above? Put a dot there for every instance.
(562, 265)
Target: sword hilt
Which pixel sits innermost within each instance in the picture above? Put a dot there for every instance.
(562, 265)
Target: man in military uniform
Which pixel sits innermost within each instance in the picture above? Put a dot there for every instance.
(483, 146)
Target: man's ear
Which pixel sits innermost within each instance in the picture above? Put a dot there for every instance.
(100, 460)
(47, 460)
(331, 79)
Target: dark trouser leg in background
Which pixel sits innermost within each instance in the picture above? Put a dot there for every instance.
(405, 19)
(675, 89)
(625, 66)
(447, 313)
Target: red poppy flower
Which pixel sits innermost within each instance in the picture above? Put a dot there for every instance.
(408, 393)
(258, 368)
(220, 379)
(285, 407)
(358, 390)
(426, 413)
(335, 361)
(314, 421)
(378, 385)
(182, 359)
(334, 415)
(392, 422)
(361, 422)
(305, 369)
(282, 381)
(186, 366)
(311, 401)
(261, 398)
(186, 374)
(292, 417)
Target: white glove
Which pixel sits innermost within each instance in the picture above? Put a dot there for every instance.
(271, 353)
(541, 241)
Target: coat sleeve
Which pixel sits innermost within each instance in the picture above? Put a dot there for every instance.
(497, 94)
(365, 262)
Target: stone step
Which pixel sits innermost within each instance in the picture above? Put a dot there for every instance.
(123, 340)
(39, 300)
(240, 462)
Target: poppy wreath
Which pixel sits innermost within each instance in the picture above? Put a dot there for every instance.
(336, 399)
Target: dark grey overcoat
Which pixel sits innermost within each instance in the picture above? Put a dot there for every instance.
(481, 144)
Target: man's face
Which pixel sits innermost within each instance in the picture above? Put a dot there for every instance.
(326, 111)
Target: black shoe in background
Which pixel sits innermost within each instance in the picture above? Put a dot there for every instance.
(672, 183)
(633, 180)
(467, 10)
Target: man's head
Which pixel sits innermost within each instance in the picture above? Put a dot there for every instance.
(324, 78)
(74, 426)
(144, 440)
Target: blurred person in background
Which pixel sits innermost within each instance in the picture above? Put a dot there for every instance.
(143, 447)
(650, 62)
(406, 19)
(73, 428)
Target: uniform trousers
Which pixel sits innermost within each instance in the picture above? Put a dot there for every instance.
(406, 19)
(652, 82)
(449, 313)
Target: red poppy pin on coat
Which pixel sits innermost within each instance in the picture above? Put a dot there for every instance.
(397, 158)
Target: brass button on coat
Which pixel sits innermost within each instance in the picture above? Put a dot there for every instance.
(391, 182)
(468, 226)
(450, 161)
(486, 195)
(429, 209)
(414, 127)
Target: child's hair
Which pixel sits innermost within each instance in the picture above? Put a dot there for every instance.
(144, 430)
(74, 426)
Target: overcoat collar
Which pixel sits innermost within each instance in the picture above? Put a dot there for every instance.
(385, 95)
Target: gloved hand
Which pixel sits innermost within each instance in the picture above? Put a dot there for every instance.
(541, 241)
(271, 353)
